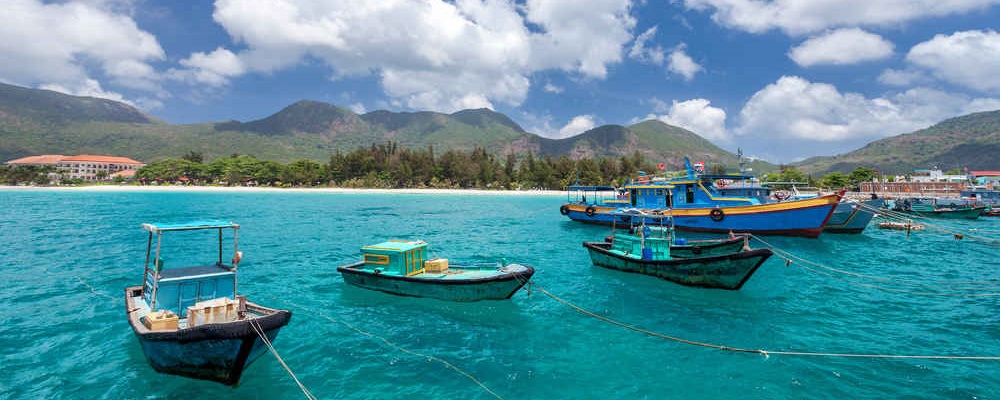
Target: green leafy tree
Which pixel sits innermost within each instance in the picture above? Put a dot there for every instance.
(835, 180)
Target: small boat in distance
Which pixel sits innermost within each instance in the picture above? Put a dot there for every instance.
(190, 320)
(935, 208)
(401, 267)
(646, 249)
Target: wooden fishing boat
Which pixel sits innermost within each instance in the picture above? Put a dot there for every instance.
(699, 205)
(402, 268)
(190, 320)
(935, 208)
(643, 251)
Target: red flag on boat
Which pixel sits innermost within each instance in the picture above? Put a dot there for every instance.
(700, 165)
(661, 166)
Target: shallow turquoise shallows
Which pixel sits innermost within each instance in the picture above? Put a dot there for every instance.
(62, 340)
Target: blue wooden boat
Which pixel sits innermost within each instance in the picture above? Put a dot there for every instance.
(647, 250)
(190, 320)
(402, 268)
(697, 203)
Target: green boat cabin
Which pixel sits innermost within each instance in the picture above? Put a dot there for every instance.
(396, 257)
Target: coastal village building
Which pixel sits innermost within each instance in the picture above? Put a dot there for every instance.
(84, 166)
(990, 179)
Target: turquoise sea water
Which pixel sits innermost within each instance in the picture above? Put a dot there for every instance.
(61, 340)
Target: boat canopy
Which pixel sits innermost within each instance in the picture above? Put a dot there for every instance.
(156, 227)
(582, 188)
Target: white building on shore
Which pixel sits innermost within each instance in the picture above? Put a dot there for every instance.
(84, 166)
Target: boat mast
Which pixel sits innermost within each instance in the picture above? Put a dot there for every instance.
(236, 252)
(145, 267)
(158, 265)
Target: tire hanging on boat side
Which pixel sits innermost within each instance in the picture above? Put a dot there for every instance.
(590, 211)
(564, 210)
(717, 215)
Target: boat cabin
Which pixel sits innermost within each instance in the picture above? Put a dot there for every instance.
(596, 195)
(396, 257)
(180, 288)
(686, 193)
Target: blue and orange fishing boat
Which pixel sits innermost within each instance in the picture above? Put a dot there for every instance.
(696, 203)
(401, 267)
(190, 320)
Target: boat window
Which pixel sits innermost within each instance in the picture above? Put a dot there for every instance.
(689, 198)
(659, 192)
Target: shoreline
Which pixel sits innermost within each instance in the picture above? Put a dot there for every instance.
(244, 189)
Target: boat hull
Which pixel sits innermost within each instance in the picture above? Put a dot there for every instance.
(965, 213)
(793, 218)
(852, 217)
(728, 271)
(213, 352)
(497, 287)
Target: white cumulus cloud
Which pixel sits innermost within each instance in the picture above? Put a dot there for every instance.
(576, 126)
(696, 115)
(799, 17)
(967, 58)
(795, 108)
(682, 64)
(433, 54)
(213, 69)
(841, 47)
(550, 88)
(897, 77)
(71, 47)
(641, 52)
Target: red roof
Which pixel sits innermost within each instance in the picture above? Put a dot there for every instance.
(102, 159)
(985, 173)
(43, 159)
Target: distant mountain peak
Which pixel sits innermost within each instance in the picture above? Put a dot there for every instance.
(52, 106)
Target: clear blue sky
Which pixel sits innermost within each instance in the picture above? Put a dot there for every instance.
(783, 79)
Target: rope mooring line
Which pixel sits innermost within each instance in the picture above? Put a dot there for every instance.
(789, 257)
(765, 353)
(926, 221)
(389, 343)
(94, 290)
(267, 342)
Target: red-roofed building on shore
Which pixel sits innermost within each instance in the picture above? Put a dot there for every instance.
(986, 178)
(84, 166)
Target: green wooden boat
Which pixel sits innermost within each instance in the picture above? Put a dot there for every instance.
(402, 268)
(648, 251)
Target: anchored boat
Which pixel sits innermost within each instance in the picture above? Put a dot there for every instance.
(190, 320)
(699, 204)
(402, 268)
(646, 249)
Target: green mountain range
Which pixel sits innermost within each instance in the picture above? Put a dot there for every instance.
(45, 122)
(970, 141)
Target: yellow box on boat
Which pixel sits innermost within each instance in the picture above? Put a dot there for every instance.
(436, 265)
(212, 311)
(163, 320)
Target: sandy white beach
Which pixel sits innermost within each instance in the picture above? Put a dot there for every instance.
(243, 189)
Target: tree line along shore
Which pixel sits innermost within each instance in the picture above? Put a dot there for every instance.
(391, 166)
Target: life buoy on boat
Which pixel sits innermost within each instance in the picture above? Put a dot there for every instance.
(782, 195)
(716, 215)
(590, 211)
(564, 210)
